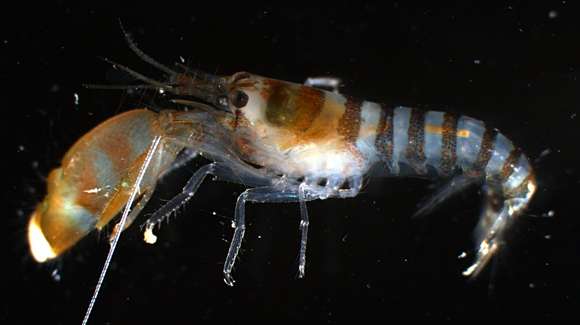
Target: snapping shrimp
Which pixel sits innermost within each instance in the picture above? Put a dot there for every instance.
(286, 142)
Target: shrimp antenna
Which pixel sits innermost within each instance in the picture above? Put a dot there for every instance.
(119, 87)
(142, 55)
(121, 224)
(137, 75)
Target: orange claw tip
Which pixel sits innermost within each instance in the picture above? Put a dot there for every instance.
(39, 247)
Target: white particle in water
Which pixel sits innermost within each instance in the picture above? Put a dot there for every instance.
(545, 152)
(55, 275)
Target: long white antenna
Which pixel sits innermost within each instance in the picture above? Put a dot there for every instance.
(121, 224)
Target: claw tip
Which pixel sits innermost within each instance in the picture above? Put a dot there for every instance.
(148, 236)
(228, 280)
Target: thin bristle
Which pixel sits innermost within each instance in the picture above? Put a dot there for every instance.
(150, 153)
(119, 87)
(142, 55)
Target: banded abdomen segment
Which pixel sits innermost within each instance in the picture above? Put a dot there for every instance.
(445, 143)
(409, 137)
(448, 144)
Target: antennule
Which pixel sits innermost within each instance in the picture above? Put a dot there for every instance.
(136, 74)
(142, 55)
(118, 87)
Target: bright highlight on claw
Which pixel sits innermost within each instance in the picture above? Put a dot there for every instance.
(148, 236)
(39, 246)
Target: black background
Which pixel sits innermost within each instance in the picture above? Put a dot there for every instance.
(515, 66)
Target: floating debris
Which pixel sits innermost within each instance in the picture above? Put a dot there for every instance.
(55, 275)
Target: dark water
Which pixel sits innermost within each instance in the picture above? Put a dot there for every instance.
(515, 66)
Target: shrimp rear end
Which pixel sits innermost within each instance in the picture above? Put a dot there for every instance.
(470, 152)
(328, 143)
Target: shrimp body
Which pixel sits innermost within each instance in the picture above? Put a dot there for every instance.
(309, 133)
(286, 142)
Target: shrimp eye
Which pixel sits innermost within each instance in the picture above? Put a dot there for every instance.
(239, 99)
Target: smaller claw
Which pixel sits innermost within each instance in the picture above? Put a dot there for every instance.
(228, 279)
(301, 272)
(116, 229)
(484, 255)
(148, 236)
